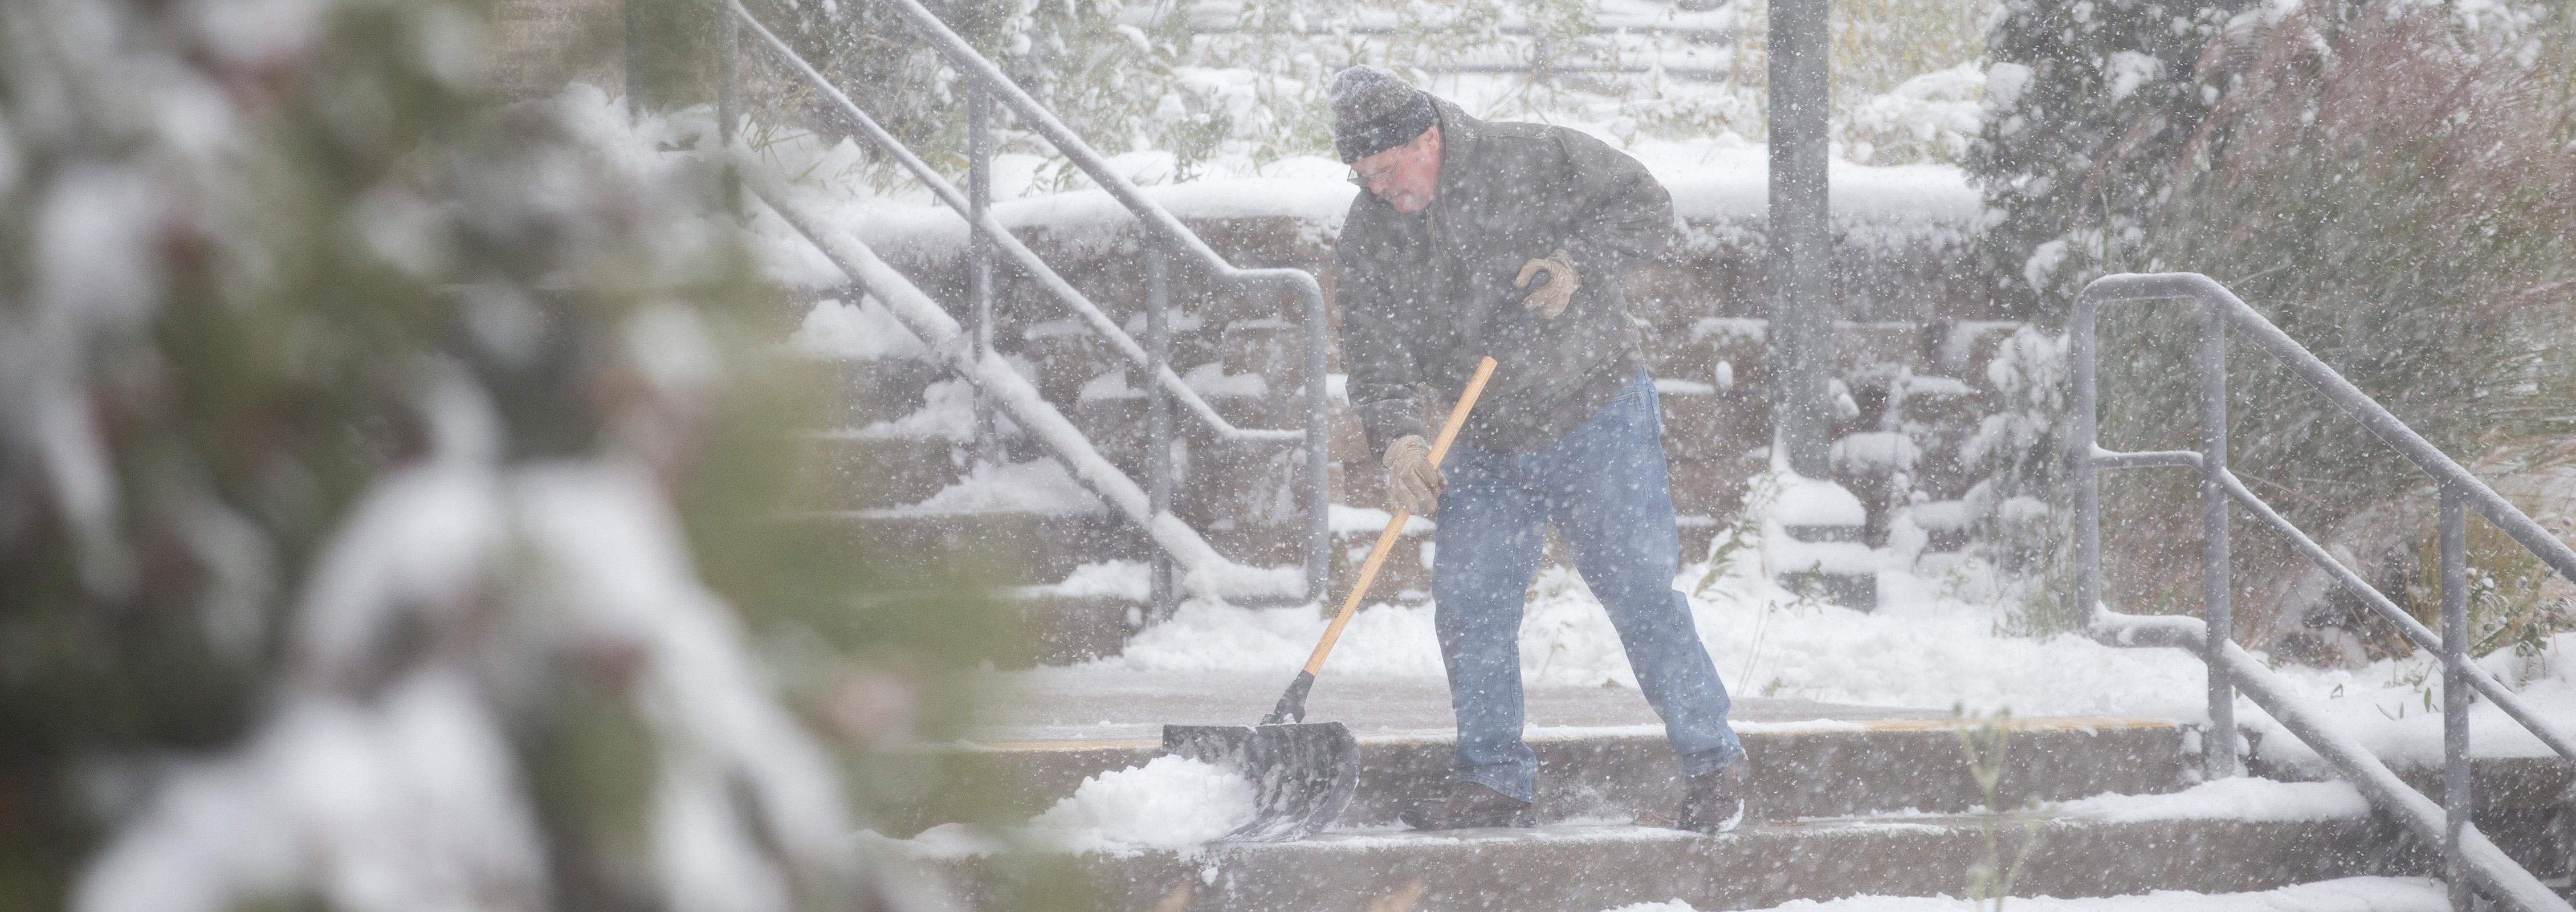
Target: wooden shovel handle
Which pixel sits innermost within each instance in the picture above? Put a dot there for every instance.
(1395, 527)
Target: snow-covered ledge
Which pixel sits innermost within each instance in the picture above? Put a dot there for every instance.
(1811, 537)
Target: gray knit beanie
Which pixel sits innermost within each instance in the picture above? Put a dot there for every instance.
(1375, 110)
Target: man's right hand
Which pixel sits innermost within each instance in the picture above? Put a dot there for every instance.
(1412, 482)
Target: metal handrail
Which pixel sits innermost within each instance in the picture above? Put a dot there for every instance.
(1160, 221)
(1209, 573)
(1160, 224)
(2470, 858)
(989, 226)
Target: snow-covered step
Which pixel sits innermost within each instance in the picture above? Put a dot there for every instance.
(2343, 894)
(864, 470)
(1817, 768)
(1582, 867)
(866, 366)
(999, 548)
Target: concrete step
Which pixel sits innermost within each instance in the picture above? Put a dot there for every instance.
(858, 393)
(1801, 769)
(1043, 628)
(852, 470)
(1067, 629)
(1006, 548)
(1593, 867)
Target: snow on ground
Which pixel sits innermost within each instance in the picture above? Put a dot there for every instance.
(2350, 894)
(861, 332)
(1924, 648)
(1170, 804)
(2236, 798)
(2393, 706)
(1119, 579)
(1932, 644)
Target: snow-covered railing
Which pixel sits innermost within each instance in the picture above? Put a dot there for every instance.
(1163, 228)
(2470, 859)
(1206, 572)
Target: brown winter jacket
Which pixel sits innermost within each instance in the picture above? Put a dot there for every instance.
(1423, 296)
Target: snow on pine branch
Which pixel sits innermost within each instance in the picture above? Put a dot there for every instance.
(288, 275)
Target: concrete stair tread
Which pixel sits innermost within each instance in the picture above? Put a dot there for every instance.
(1588, 867)
(1601, 830)
(997, 547)
(1602, 753)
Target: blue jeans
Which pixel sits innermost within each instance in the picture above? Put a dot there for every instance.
(1604, 485)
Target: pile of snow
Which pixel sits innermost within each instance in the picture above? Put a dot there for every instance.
(1789, 501)
(1171, 804)
(866, 332)
(2350, 894)
(2233, 798)
(947, 412)
(2392, 707)
(1112, 579)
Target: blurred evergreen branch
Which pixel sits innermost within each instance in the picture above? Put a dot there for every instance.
(261, 269)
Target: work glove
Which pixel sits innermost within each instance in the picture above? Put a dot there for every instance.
(1549, 298)
(1412, 482)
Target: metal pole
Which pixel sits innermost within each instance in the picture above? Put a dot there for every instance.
(2456, 694)
(728, 74)
(2086, 474)
(1319, 484)
(631, 20)
(2218, 748)
(1801, 255)
(1158, 417)
(729, 97)
(979, 255)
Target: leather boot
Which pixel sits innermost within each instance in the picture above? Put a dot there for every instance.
(1713, 802)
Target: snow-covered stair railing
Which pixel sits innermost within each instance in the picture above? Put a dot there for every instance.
(2471, 860)
(1207, 573)
(1161, 228)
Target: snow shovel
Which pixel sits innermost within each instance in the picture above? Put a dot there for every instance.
(1304, 772)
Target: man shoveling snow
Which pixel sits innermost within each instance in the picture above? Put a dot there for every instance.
(1508, 240)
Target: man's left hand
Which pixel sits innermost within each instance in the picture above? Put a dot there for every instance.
(1550, 298)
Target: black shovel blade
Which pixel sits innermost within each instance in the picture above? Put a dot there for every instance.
(1301, 774)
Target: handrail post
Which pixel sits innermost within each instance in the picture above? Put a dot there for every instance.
(729, 99)
(2218, 747)
(979, 257)
(2085, 473)
(2472, 862)
(1319, 443)
(2456, 695)
(1158, 417)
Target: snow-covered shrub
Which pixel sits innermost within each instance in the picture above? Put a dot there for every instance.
(387, 492)
(2394, 187)
(1909, 78)
(2087, 106)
